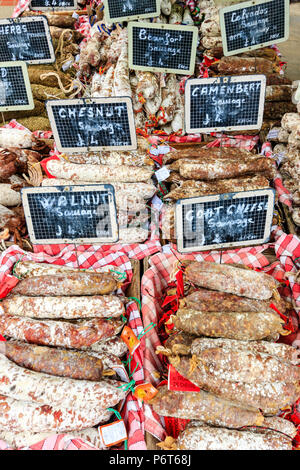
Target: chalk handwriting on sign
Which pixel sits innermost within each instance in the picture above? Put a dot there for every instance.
(252, 25)
(226, 220)
(42, 5)
(162, 48)
(122, 10)
(225, 103)
(70, 214)
(26, 39)
(96, 124)
(15, 90)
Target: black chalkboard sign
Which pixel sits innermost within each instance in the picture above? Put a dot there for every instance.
(71, 214)
(123, 10)
(225, 220)
(43, 5)
(15, 90)
(92, 124)
(162, 48)
(255, 24)
(26, 39)
(224, 103)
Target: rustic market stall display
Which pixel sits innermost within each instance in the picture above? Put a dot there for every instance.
(159, 131)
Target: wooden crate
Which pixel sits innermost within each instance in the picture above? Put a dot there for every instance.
(134, 290)
(290, 224)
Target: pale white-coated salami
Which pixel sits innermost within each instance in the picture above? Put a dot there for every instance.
(23, 416)
(40, 388)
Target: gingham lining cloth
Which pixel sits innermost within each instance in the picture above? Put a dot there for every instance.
(132, 412)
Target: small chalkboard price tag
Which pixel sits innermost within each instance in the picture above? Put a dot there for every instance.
(253, 25)
(162, 48)
(26, 39)
(15, 90)
(224, 220)
(71, 214)
(224, 103)
(126, 10)
(92, 124)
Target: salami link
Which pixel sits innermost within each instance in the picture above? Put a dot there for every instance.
(267, 396)
(114, 346)
(212, 301)
(53, 361)
(21, 416)
(233, 325)
(284, 352)
(40, 388)
(227, 278)
(80, 283)
(70, 308)
(209, 438)
(205, 407)
(63, 334)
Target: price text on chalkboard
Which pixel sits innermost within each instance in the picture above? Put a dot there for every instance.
(43, 5)
(15, 90)
(123, 10)
(225, 103)
(93, 124)
(162, 48)
(71, 214)
(26, 39)
(253, 25)
(226, 220)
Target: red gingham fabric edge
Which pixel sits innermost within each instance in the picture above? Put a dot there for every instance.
(133, 408)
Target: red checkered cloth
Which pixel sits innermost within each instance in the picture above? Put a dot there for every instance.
(133, 410)
(157, 278)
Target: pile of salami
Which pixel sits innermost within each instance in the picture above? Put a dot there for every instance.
(57, 365)
(201, 172)
(224, 343)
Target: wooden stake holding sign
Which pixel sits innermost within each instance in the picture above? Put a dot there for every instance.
(44, 5)
(92, 124)
(71, 214)
(162, 48)
(126, 10)
(253, 25)
(224, 220)
(26, 39)
(224, 103)
(15, 89)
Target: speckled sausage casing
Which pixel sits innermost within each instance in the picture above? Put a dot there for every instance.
(22, 416)
(78, 335)
(267, 396)
(83, 283)
(205, 407)
(227, 278)
(54, 361)
(233, 325)
(37, 387)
